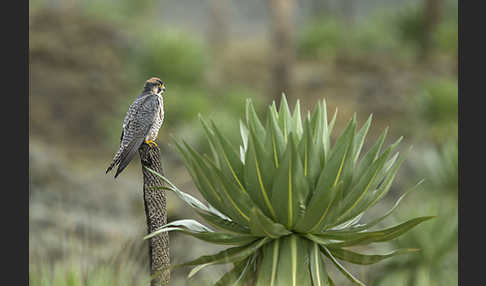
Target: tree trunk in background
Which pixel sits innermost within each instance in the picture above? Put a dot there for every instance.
(218, 38)
(282, 48)
(432, 17)
(156, 213)
(321, 7)
(348, 10)
(219, 24)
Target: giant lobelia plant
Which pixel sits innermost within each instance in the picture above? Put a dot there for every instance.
(289, 199)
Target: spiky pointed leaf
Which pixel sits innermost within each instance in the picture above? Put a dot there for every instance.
(376, 221)
(276, 136)
(239, 275)
(297, 120)
(285, 118)
(366, 259)
(362, 238)
(371, 155)
(293, 263)
(317, 267)
(341, 268)
(253, 122)
(290, 189)
(361, 189)
(229, 255)
(267, 273)
(231, 164)
(360, 137)
(223, 224)
(332, 172)
(188, 199)
(237, 203)
(195, 229)
(318, 209)
(261, 225)
(258, 174)
(201, 180)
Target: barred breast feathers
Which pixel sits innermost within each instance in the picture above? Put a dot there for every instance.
(138, 121)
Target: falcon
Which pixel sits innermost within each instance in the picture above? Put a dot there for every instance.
(141, 124)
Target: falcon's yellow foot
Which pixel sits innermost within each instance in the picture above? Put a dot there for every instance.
(151, 143)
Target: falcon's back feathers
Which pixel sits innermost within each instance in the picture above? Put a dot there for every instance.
(136, 125)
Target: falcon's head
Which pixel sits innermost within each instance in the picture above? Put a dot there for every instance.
(154, 85)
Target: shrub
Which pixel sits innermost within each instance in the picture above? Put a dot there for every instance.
(173, 56)
(438, 107)
(321, 39)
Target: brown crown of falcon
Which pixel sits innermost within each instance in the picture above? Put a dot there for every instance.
(141, 124)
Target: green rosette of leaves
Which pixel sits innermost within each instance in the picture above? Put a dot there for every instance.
(287, 201)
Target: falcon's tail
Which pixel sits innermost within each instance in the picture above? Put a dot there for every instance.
(116, 160)
(111, 166)
(127, 154)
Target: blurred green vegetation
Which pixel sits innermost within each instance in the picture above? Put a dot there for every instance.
(442, 167)
(173, 55)
(399, 34)
(409, 21)
(329, 38)
(438, 101)
(67, 81)
(437, 261)
(183, 61)
(71, 275)
(436, 109)
(321, 39)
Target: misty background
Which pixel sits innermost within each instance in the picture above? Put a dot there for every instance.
(89, 60)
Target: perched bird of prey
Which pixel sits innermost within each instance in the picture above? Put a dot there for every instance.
(142, 123)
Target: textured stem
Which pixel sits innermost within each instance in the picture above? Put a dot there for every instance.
(156, 213)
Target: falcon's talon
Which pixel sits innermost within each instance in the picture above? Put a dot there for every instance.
(151, 143)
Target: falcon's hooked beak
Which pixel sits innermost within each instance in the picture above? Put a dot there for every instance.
(161, 88)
